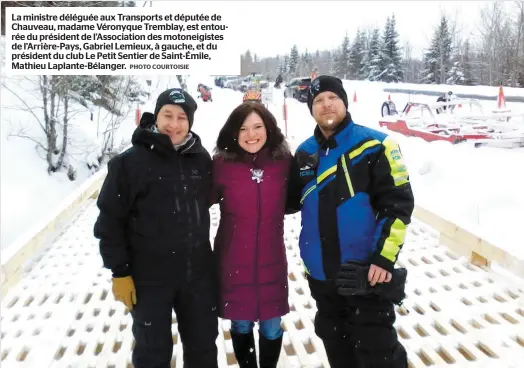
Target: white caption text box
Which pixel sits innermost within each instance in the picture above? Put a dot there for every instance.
(122, 41)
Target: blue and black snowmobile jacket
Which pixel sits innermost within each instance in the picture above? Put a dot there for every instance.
(355, 198)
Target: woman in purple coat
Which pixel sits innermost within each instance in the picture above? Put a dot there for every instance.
(250, 173)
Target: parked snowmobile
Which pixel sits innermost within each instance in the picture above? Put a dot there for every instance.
(252, 94)
(205, 92)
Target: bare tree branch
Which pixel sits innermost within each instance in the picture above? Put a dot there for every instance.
(21, 135)
(26, 105)
(17, 108)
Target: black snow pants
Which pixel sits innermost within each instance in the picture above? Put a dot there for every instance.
(195, 305)
(357, 332)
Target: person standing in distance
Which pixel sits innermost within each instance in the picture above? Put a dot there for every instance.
(154, 236)
(352, 188)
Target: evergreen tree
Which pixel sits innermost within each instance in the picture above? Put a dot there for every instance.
(466, 66)
(308, 63)
(372, 69)
(383, 59)
(456, 72)
(293, 61)
(334, 67)
(344, 59)
(356, 55)
(437, 58)
(246, 63)
(391, 63)
(285, 64)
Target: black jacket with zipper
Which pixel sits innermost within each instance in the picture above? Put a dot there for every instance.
(154, 213)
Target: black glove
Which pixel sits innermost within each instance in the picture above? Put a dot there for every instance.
(393, 290)
(352, 280)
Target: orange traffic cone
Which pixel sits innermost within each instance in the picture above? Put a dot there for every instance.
(355, 96)
(389, 97)
(501, 100)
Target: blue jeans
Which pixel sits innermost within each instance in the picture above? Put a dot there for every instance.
(270, 328)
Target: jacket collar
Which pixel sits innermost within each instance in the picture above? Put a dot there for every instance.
(255, 158)
(331, 142)
(147, 135)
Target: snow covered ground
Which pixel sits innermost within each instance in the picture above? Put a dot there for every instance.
(62, 313)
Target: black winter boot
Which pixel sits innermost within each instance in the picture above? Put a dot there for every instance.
(244, 347)
(269, 351)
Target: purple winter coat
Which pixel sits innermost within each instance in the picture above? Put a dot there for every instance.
(250, 239)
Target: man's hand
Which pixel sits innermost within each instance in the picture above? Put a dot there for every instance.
(379, 275)
(357, 278)
(124, 291)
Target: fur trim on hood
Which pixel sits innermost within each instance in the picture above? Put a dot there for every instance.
(280, 152)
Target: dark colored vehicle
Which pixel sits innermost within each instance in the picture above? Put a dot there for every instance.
(297, 88)
(219, 82)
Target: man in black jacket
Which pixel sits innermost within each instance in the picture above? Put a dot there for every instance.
(154, 236)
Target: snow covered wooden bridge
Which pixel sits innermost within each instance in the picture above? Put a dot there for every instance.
(58, 311)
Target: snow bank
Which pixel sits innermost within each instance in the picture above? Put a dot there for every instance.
(27, 191)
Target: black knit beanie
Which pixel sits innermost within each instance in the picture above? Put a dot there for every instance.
(177, 96)
(325, 83)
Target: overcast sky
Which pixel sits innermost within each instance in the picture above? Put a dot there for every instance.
(272, 27)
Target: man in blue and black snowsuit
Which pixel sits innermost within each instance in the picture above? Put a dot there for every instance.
(353, 190)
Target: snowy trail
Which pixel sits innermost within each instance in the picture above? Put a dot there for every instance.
(62, 313)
